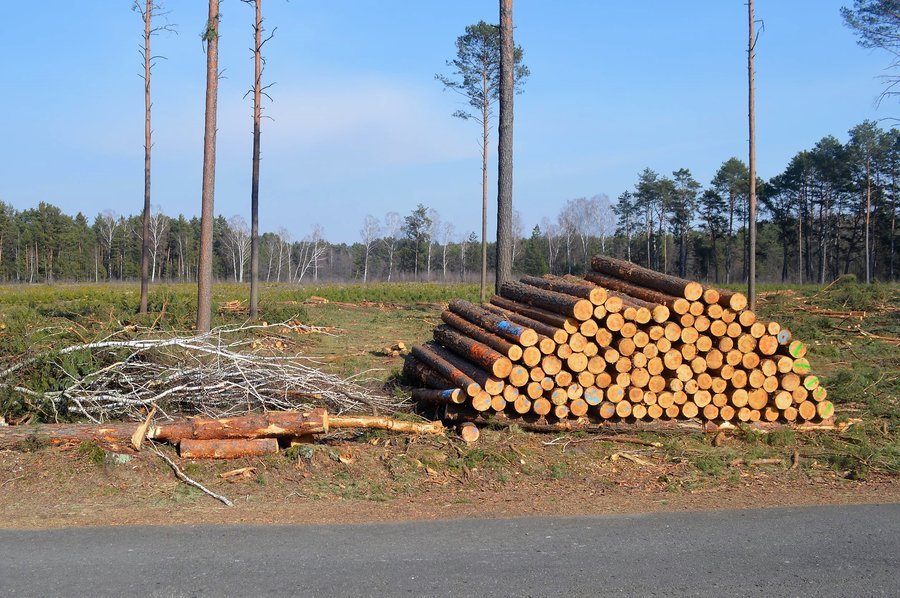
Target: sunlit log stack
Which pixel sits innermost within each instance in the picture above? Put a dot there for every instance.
(621, 343)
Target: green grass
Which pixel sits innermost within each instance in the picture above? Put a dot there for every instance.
(38, 319)
(93, 452)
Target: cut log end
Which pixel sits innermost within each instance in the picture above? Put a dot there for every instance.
(469, 432)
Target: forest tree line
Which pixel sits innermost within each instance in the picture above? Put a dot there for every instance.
(813, 224)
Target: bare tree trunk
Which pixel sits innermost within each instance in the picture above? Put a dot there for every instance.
(145, 241)
(751, 251)
(868, 209)
(484, 185)
(505, 146)
(649, 224)
(280, 259)
(254, 184)
(893, 219)
(204, 269)
(800, 238)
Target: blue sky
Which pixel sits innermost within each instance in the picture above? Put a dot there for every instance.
(361, 126)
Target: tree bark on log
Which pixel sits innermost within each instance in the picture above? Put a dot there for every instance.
(556, 335)
(494, 323)
(418, 372)
(513, 352)
(445, 368)
(567, 305)
(569, 325)
(665, 283)
(488, 382)
(437, 396)
(594, 294)
(473, 351)
(679, 305)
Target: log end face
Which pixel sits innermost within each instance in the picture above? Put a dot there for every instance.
(693, 291)
(528, 338)
(469, 432)
(583, 310)
(711, 296)
(502, 367)
(737, 301)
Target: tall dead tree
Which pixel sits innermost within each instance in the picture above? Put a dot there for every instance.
(204, 267)
(148, 9)
(751, 252)
(258, 91)
(505, 145)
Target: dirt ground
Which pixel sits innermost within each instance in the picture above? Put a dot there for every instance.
(382, 478)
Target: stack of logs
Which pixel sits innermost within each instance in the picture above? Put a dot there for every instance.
(621, 343)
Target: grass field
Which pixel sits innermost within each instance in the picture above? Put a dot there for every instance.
(851, 330)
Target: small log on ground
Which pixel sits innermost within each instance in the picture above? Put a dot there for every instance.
(227, 449)
(469, 432)
(377, 422)
(255, 425)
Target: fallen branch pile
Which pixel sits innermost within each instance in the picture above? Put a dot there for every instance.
(624, 343)
(216, 374)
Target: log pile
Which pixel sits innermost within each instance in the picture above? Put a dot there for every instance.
(621, 343)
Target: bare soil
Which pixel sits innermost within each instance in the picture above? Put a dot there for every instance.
(390, 478)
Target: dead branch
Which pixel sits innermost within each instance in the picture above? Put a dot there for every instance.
(216, 374)
(184, 478)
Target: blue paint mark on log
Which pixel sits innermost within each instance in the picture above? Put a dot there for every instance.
(507, 326)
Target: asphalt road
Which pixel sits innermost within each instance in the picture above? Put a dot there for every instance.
(822, 551)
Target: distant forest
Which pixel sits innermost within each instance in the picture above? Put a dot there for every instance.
(814, 220)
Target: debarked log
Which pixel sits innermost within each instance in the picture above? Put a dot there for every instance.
(227, 449)
(273, 425)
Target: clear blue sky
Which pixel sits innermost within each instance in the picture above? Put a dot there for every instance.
(361, 126)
